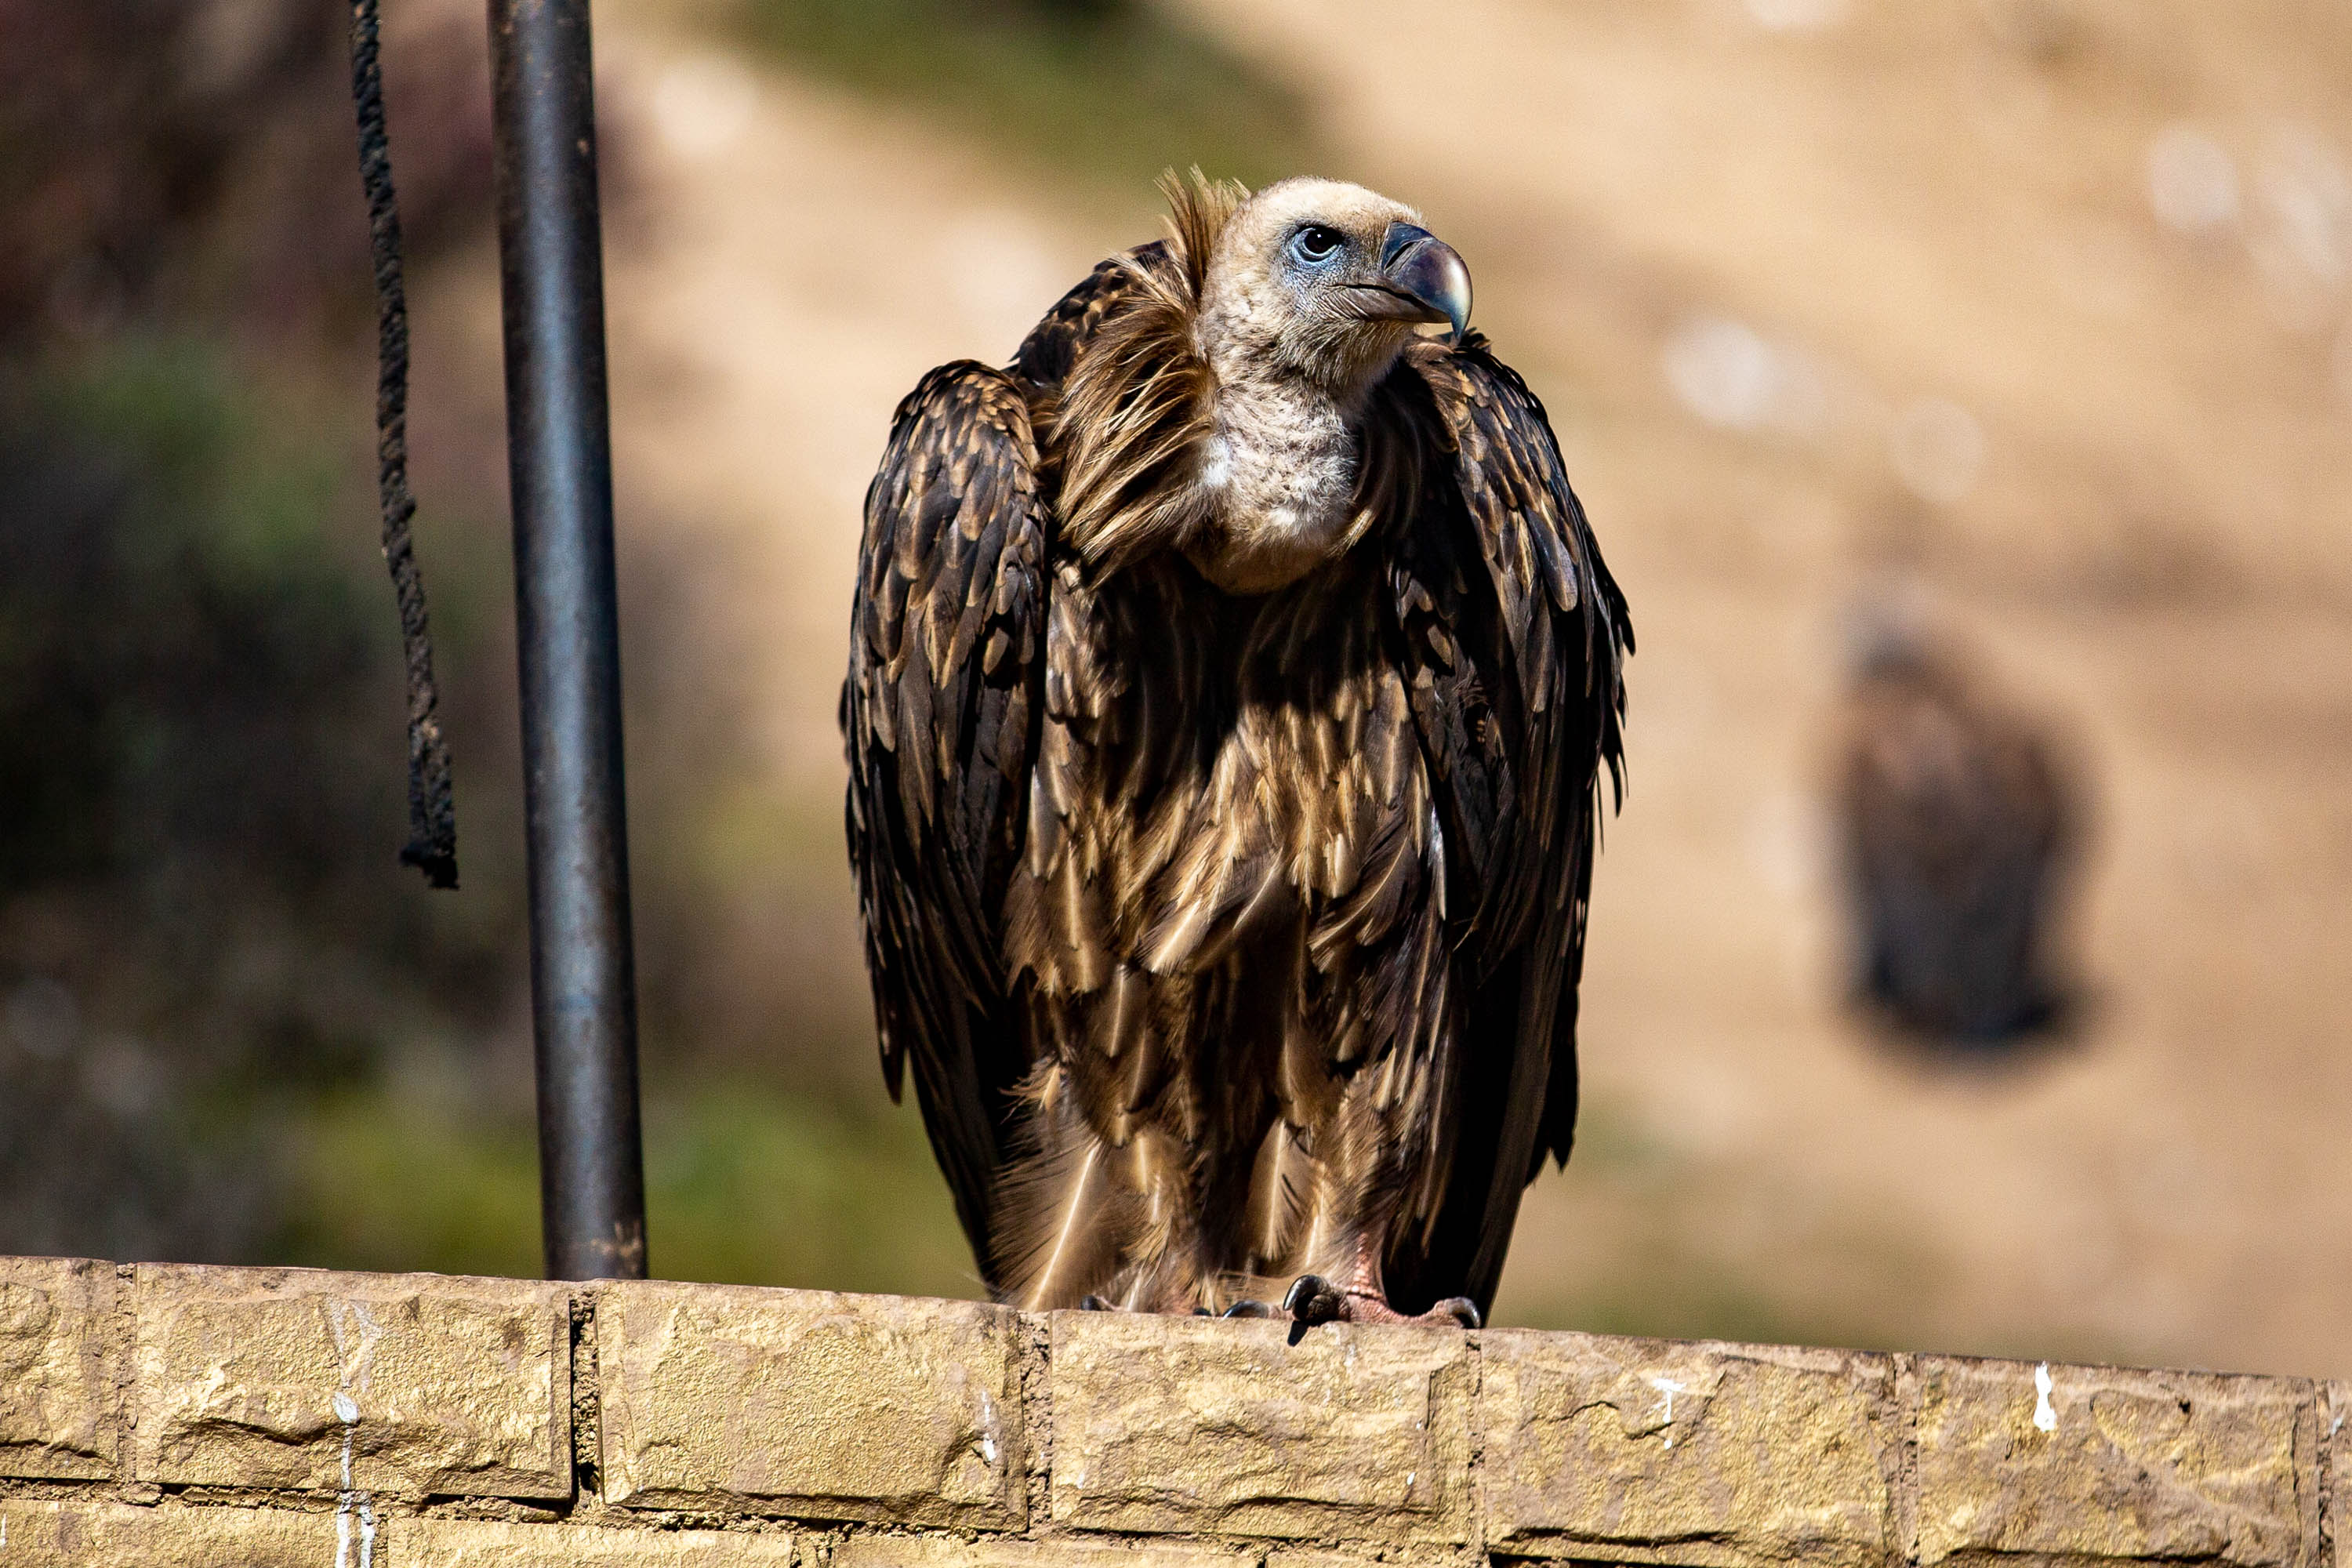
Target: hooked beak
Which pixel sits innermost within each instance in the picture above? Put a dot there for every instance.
(1424, 270)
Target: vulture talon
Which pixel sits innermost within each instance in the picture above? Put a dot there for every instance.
(1312, 1301)
(1250, 1310)
(1091, 1302)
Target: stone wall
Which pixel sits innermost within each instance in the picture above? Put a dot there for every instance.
(164, 1416)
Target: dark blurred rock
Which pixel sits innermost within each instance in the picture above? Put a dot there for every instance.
(1958, 821)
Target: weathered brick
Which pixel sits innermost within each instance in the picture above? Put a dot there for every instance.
(2335, 1496)
(476, 1544)
(811, 1404)
(102, 1535)
(933, 1551)
(2094, 1463)
(1654, 1451)
(1165, 1425)
(54, 1393)
(1390, 1557)
(408, 1383)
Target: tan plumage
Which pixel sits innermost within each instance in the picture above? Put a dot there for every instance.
(1228, 680)
(1136, 406)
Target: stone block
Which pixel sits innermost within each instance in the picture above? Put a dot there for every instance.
(2335, 1485)
(480, 1544)
(407, 1383)
(811, 1404)
(936, 1551)
(1169, 1424)
(2084, 1465)
(1390, 1557)
(1710, 1455)
(56, 1397)
(106, 1535)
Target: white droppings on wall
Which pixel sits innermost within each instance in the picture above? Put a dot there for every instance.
(1669, 1388)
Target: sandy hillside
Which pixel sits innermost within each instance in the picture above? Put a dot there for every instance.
(2036, 308)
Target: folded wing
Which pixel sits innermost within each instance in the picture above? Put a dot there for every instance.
(938, 711)
(1514, 635)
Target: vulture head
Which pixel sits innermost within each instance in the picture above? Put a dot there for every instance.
(1324, 281)
(1224, 414)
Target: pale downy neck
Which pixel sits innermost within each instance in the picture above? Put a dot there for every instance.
(1278, 470)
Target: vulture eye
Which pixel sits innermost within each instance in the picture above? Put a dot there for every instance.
(1316, 244)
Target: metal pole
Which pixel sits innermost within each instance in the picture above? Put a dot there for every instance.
(559, 459)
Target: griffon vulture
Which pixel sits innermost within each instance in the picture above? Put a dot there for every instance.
(1228, 679)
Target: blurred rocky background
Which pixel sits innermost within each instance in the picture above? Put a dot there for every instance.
(2030, 314)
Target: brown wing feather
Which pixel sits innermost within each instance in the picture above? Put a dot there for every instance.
(1051, 347)
(938, 711)
(1514, 635)
(940, 714)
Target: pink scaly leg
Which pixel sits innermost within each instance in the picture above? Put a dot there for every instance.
(1357, 1296)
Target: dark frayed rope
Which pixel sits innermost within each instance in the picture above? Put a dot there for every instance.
(432, 813)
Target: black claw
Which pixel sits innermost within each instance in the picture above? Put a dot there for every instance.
(1250, 1310)
(1312, 1300)
(1091, 1303)
(1462, 1309)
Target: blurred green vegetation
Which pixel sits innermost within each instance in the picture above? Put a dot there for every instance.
(231, 1029)
(1117, 88)
(158, 545)
(745, 1184)
(200, 790)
